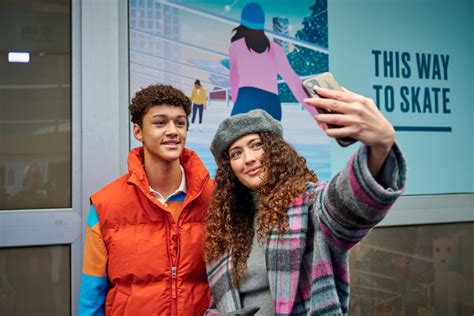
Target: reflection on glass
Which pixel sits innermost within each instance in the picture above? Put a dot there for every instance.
(414, 270)
(35, 281)
(35, 104)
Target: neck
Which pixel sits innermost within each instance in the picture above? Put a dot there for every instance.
(163, 176)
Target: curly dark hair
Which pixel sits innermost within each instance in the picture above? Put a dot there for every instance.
(157, 94)
(230, 220)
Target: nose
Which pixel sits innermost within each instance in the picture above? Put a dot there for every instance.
(171, 130)
(249, 157)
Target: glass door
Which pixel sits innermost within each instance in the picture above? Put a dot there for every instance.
(40, 211)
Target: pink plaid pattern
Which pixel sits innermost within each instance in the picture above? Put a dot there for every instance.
(308, 267)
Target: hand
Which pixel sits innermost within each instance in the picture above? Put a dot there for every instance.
(358, 116)
(360, 119)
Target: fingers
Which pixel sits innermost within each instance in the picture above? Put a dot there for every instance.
(335, 119)
(353, 115)
(343, 101)
(352, 94)
(323, 126)
(341, 95)
(330, 104)
(341, 132)
(340, 125)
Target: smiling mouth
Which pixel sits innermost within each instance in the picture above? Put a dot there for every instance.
(171, 144)
(254, 171)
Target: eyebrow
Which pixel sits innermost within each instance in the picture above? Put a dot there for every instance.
(167, 116)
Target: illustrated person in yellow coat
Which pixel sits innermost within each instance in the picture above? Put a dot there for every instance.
(199, 99)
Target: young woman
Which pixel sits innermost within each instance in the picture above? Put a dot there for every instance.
(255, 64)
(277, 240)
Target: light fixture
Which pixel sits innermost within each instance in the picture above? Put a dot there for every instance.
(17, 57)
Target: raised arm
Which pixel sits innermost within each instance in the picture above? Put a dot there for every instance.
(354, 201)
(234, 72)
(291, 78)
(358, 197)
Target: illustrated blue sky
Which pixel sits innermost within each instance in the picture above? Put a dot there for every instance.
(216, 35)
(295, 11)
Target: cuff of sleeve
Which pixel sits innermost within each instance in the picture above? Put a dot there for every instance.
(391, 179)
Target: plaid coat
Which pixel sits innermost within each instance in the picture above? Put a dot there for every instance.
(308, 268)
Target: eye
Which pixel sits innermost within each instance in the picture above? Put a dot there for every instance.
(159, 123)
(234, 154)
(257, 145)
(181, 123)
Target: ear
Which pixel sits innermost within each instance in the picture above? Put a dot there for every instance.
(137, 132)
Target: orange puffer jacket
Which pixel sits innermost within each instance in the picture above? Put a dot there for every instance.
(155, 265)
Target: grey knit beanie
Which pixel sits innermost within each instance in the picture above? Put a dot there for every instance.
(240, 125)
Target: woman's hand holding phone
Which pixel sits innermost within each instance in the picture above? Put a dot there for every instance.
(325, 80)
(357, 117)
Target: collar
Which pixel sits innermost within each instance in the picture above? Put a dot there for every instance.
(182, 188)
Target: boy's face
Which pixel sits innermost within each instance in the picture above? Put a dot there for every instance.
(163, 132)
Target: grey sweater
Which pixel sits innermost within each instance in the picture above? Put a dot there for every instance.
(254, 288)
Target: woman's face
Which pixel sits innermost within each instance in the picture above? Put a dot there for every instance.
(245, 156)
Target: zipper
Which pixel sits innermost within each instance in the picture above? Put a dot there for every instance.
(174, 297)
(174, 267)
(178, 222)
(173, 272)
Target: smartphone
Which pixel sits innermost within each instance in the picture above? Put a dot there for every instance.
(325, 80)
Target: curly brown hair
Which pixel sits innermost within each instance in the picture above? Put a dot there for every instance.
(230, 220)
(157, 94)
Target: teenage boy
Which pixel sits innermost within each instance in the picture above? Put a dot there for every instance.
(143, 249)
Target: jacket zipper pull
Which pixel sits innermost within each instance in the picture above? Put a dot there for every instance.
(174, 290)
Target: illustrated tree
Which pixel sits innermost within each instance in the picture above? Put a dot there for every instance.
(306, 61)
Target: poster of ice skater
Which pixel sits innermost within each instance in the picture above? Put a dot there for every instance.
(231, 57)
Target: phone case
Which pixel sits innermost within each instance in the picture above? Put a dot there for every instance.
(325, 80)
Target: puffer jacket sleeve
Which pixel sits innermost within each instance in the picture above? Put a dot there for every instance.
(94, 281)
